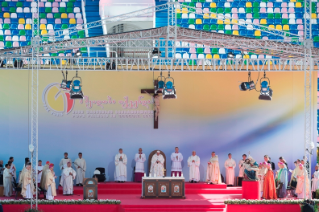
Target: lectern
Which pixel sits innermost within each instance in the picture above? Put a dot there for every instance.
(90, 188)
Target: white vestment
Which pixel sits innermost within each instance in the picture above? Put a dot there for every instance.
(40, 168)
(64, 163)
(7, 183)
(80, 172)
(230, 165)
(261, 176)
(176, 161)
(139, 167)
(120, 167)
(241, 168)
(213, 171)
(67, 180)
(13, 171)
(157, 165)
(193, 164)
(315, 181)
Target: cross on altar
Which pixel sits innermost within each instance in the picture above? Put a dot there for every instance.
(152, 91)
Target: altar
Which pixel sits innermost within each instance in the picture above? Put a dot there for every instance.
(163, 187)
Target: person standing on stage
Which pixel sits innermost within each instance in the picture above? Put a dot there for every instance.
(43, 177)
(50, 183)
(157, 165)
(230, 165)
(282, 180)
(177, 159)
(301, 177)
(68, 175)
(27, 185)
(281, 159)
(315, 182)
(120, 167)
(213, 173)
(241, 169)
(140, 158)
(80, 167)
(64, 161)
(267, 159)
(7, 181)
(193, 164)
(269, 189)
(13, 169)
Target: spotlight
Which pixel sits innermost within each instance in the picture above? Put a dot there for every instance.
(265, 90)
(250, 85)
(65, 84)
(169, 91)
(160, 84)
(76, 90)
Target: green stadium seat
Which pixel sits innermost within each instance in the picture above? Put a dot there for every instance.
(70, 4)
(21, 32)
(48, 10)
(191, 21)
(8, 44)
(57, 15)
(206, 27)
(199, 50)
(213, 27)
(6, 26)
(62, 9)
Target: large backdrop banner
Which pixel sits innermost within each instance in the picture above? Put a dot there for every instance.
(209, 114)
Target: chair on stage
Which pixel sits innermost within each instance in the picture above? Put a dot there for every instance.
(101, 177)
(150, 160)
(17, 188)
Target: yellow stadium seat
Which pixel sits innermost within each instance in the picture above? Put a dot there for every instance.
(286, 27)
(278, 27)
(248, 4)
(213, 15)
(72, 21)
(246, 56)
(298, 4)
(178, 10)
(43, 26)
(227, 21)
(220, 22)
(209, 56)
(213, 5)
(216, 56)
(206, 16)
(198, 21)
(28, 26)
(313, 16)
(293, 0)
(234, 21)
(263, 21)
(63, 62)
(270, 62)
(21, 21)
(43, 32)
(64, 15)
(257, 33)
(235, 32)
(6, 15)
(271, 26)
(184, 10)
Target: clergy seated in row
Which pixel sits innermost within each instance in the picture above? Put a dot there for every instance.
(301, 177)
(68, 175)
(269, 188)
(49, 183)
(120, 174)
(193, 164)
(213, 173)
(281, 180)
(7, 181)
(251, 167)
(315, 181)
(80, 168)
(157, 165)
(230, 165)
(140, 158)
(177, 159)
(26, 184)
(44, 172)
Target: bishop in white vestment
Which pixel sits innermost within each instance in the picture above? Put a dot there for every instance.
(7, 181)
(140, 158)
(43, 177)
(213, 172)
(80, 167)
(68, 175)
(120, 174)
(157, 165)
(315, 180)
(27, 185)
(177, 159)
(64, 161)
(193, 164)
(230, 165)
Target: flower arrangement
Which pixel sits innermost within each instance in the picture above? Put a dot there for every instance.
(64, 202)
(266, 202)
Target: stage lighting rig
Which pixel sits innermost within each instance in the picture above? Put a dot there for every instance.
(250, 85)
(159, 84)
(169, 91)
(65, 84)
(76, 87)
(265, 90)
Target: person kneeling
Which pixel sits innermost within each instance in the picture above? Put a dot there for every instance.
(68, 175)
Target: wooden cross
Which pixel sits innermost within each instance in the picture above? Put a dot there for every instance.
(152, 91)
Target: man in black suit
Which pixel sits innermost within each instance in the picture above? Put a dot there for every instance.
(267, 159)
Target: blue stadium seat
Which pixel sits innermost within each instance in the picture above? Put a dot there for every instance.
(23, 43)
(57, 26)
(28, 15)
(263, 15)
(299, 15)
(50, 20)
(14, 26)
(20, 15)
(242, 15)
(14, 21)
(65, 21)
(77, 4)
(199, 27)
(42, 9)
(213, 21)
(271, 21)
(293, 26)
(15, 32)
(299, 10)
(26, 4)
(242, 32)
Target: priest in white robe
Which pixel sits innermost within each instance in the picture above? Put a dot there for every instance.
(140, 158)
(193, 164)
(68, 175)
(177, 159)
(157, 165)
(241, 170)
(50, 183)
(230, 165)
(120, 174)
(261, 173)
(301, 178)
(26, 184)
(7, 181)
(40, 168)
(64, 161)
(43, 177)
(80, 167)
(213, 172)
(315, 180)
(13, 169)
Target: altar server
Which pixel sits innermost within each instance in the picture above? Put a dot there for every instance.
(50, 183)
(230, 165)
(80, 167)
(193, 164)
(261, 173)
(301, 177)
(40, 168)
(13, 169)
(64, 161)
(43, 177)
(7, 181)
(157, 165)
(140, 158)
(27, 185)
(68, 175)
(213, 173)
(315, 180)
(177, 159)
(120, 167)
(241, 169)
